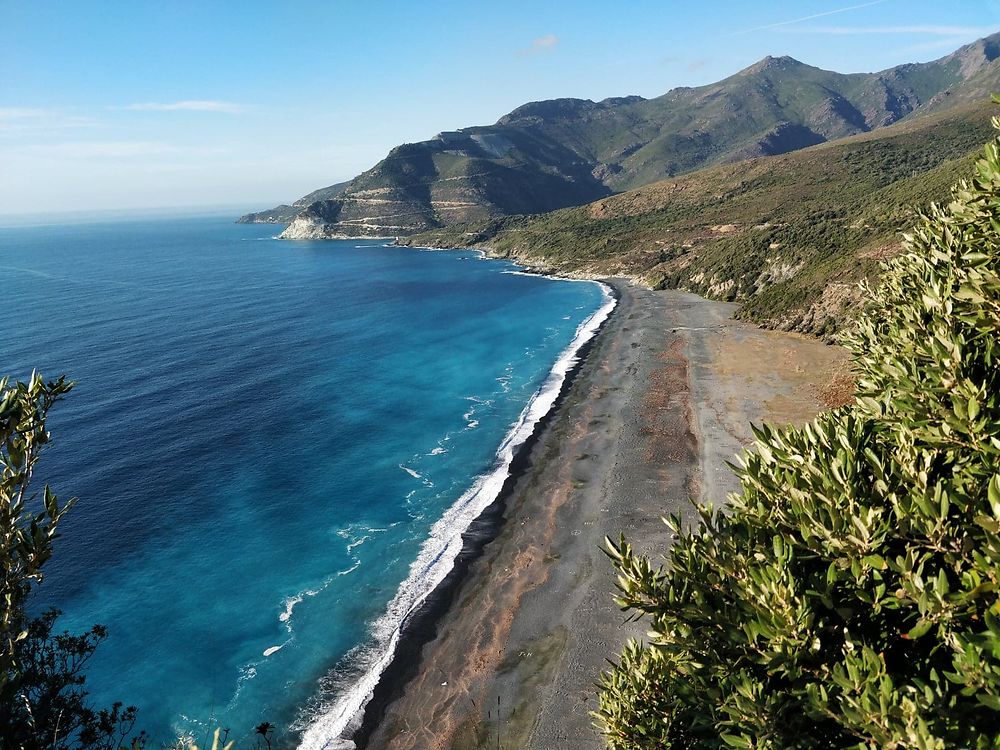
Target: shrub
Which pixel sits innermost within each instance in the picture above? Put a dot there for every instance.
(850, 595)
(43, 702)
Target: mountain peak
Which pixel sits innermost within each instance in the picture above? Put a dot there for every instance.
(548, 108)
(616, 101)
(975, 56)
(784, 62)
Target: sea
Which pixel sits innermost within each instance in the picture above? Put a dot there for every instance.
(275, 448)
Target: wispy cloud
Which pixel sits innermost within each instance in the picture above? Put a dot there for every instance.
(791, 21)
(695, 65)
(189, 105)
(23, 119)
(12, 114)
(539, 45)
(127, 150)
(918, 29)
(99, 149)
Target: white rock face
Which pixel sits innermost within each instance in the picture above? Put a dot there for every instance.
(313, 228)
(305, 229)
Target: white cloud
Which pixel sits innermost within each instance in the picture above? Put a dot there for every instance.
(825, 13)
(541, 44)
(189, 105)
(934, 30)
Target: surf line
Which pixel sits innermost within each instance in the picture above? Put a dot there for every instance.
(333, 727)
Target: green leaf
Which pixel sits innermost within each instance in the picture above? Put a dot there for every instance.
(988, 523)
(875, 561)
(993, 492)
(990, 701)
(734, 740)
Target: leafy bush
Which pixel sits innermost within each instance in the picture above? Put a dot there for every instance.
(850, 595)
(26, 530)
(43, 703)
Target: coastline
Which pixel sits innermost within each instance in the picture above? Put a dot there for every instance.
(349, 721)
(663, 398)
(412, 685)
(421, 626)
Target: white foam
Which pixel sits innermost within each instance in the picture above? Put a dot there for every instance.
(476, 401)
(504, 380)
(411, 472)
(348, 571)
(247, 673)
(335, 722)
(290, 603)
(358, 541)
(438, 451)
(416, 475)
(355, 537)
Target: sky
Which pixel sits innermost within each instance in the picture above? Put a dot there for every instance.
(129, 105)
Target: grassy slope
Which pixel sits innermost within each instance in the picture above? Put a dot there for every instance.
(787, 235)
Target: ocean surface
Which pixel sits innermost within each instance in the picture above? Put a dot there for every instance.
(275, 446)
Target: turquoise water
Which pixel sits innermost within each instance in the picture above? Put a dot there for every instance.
(263, 437)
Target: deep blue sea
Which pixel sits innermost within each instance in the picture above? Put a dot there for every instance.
(275, 446)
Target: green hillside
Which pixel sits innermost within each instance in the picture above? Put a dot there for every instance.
(787, 236)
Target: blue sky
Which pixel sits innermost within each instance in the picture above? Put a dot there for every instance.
(108, 105)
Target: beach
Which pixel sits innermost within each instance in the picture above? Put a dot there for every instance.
(664, 398)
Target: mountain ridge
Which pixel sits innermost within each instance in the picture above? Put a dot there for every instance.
(788, 236)
(547, 155)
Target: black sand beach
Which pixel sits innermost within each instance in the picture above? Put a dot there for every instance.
(514, 642)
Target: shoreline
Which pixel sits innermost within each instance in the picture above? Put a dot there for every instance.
(338, 726)
(413, 661)
(421, 626)
(663, 398)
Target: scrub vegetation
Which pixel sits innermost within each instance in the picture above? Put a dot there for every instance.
(849, 596)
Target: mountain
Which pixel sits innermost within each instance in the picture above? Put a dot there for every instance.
(564, 152)
(788, 237)
(284, 213)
